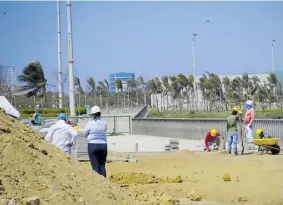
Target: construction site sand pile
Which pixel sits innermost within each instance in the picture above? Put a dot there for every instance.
(32, 172)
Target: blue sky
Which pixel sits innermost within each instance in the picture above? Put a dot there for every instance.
(142, 37)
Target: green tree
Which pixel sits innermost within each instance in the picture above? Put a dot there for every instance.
(35, 81)
(153, 90)
(176, 90)
(132, 87)
(92, 86)
(141, 83)
(119, 86)
(166, 90)
(80, 90)
(184, 84)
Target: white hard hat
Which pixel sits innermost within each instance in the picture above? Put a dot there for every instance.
(95, 109)
(249, 102)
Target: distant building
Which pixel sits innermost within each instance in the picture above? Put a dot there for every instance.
(124, 77)
(8, 76)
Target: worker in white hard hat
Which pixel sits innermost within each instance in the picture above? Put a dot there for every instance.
(248, 121)
(95, 131)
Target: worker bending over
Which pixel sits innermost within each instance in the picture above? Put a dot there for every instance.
(62, 135)
(210, 139)
(36, 118)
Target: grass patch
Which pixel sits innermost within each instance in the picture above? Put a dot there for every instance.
(50, 112)
(260, 114)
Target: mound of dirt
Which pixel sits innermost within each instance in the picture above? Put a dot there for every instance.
(32, 171)
(140, 178)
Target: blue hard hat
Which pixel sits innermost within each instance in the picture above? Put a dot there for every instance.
(62, 116)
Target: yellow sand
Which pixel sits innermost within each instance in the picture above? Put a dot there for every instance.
(254, 179)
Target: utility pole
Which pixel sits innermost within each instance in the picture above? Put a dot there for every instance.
(59, 76)
(194, 73)
(272, 56)
(71, 62)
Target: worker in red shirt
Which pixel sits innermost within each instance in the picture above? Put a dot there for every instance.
(211, 138)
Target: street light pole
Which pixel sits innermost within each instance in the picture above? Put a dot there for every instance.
(60, 84)
(71, 62)
(272, 55)
(194, 73)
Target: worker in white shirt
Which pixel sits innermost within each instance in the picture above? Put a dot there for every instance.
(62, 135)
(95, 131)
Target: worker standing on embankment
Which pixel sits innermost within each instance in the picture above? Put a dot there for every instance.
(96, 131)
(248, 121)
(62, 135)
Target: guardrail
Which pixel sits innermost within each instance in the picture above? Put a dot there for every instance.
(197, 128)
(115, 124)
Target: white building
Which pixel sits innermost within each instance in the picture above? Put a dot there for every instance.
(8, 76)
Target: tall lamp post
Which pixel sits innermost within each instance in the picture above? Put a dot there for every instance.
(71, 62)
(194, 72)
(59, 76)
(272, 55)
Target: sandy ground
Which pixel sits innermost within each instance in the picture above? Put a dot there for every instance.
(256, 178)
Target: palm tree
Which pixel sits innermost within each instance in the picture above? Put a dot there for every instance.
(176, 91)
(142, 84)
(80, 90)
(153, 88)
(92, 86)
(184, 83)
(158, 91)
(119, 86)
(132, 86)
(191, 85)
(245, 85)
(166, 90)
(105, 90)
(275, 87)
(35, 82)
(204, 86)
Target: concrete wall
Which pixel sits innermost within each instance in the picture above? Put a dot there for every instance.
(143, 113)
(196, 128)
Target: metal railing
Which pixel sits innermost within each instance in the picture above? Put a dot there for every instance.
(197, 128)
(115, 124)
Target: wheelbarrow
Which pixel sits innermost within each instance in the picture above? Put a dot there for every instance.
(269, 144)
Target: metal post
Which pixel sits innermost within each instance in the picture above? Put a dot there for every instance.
(130, 125)
(194, 73)
(272, 56)
(71, 62)
(60, 84)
